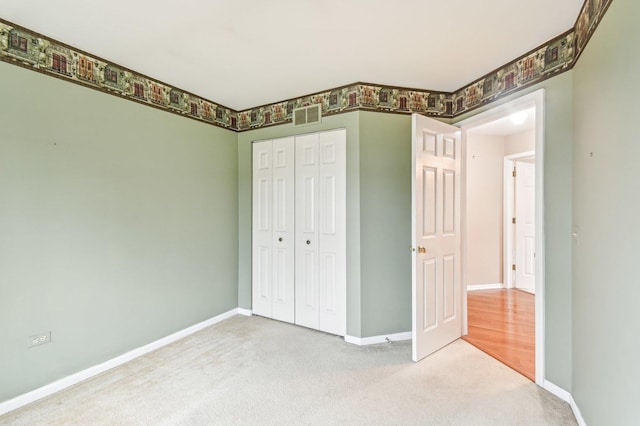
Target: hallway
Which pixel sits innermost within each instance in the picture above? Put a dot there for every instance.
(502, 324)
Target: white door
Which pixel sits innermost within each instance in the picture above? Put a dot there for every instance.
(332, 219)
(273, 229)
(320, 288)
(435, 215)
(307, 307)
(525, 200)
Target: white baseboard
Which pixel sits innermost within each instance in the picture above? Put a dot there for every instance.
(245, 312)
(567, 397)
(362, 341)
(58, 385)
(473, 287)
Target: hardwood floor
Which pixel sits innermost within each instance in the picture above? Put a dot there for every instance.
(502, 324)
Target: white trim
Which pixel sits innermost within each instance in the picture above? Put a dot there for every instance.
(475, 287)
(463, 234)
(507, 226)
(363, 341)
(245, 312)
(65, 382)
(567, 397)
(524, 102)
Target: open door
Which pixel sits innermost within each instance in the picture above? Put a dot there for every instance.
(435, 217)
(525, 205)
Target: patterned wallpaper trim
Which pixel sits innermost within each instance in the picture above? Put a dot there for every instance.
(356, 96)
(558, 55)
(30, 50)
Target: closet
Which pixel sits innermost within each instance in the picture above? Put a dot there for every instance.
(299, 230)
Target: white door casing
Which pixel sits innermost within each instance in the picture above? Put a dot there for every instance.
(534, 99)
(320, 271)
(525, 247)
(436, 262)
(273, 229)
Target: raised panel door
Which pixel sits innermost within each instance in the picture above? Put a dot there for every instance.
(436, 300)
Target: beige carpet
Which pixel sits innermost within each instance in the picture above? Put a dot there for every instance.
(258, 371)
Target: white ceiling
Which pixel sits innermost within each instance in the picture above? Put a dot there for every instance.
(248, 53)
(506, 126)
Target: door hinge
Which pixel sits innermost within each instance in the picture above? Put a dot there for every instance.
(514, 173)
(513, 267)
(513, 220)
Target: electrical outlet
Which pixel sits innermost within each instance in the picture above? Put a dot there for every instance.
(39, 339)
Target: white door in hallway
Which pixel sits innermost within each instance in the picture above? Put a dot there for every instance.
(320, 283)
(525, 201)
(436, 269)
(273, 229)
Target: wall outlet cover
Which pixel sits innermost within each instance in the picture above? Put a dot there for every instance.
(39, 339)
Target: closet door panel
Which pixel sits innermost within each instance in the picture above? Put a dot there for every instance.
(283, 303)
(273, 229)
(332, 232)
(306, 269)
(262, 236)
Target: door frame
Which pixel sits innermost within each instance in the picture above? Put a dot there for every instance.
(534, 99)
(508, 243)
(294, 134)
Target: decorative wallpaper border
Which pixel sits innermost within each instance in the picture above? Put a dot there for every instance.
(28, 49)
(34, 51)
(356, 96)
(590, 16)
(558, 55)
(548, 60)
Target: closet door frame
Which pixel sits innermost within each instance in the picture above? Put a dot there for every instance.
(319, 242)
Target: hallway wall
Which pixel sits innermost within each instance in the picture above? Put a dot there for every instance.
(485, 163)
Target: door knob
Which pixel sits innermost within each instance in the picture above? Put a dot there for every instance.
(280, 239)
(308, 242)
(422, 250)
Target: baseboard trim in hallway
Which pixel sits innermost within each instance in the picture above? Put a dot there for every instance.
(567, 397)
(58, 385)
(476, 287)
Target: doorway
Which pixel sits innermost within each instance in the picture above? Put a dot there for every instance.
(519, 219)
(506, 136)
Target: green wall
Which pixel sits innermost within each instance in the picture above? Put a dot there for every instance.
(558, 137)
(118, 226)
(385, 223)
(606, 318)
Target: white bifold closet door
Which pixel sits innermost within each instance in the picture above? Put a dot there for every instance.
(273, 229)
(299, 230)
(321, 231)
